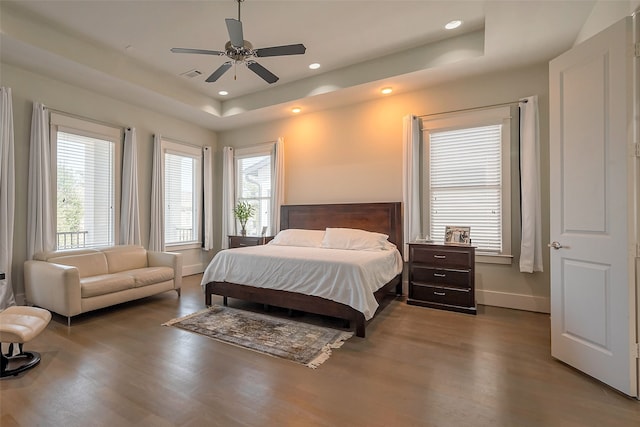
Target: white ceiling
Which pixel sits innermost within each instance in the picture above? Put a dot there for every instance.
(121, 48)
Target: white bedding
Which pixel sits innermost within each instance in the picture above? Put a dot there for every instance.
(346, 276)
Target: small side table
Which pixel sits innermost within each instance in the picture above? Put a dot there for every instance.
(242, 241)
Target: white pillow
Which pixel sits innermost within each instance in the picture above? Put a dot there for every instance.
(298, 237)
(354, 239)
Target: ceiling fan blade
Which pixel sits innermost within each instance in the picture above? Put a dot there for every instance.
(235, 32)
(266, 75)
(290, 49)
(219, 72)
(200, 51)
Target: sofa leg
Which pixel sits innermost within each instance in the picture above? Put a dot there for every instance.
(178, 291)
(68, 321)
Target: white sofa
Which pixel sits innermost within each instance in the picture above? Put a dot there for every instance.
(76, 281)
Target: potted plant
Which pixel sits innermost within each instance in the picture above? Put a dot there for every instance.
(243, 211)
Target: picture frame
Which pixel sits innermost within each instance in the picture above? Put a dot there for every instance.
(457, 235)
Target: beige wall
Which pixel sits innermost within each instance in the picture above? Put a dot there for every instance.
(347, 154)
(604, 14)
(354, 154)
(28, 87)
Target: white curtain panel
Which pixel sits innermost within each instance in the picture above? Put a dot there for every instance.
(410, 180)
(156, 232)
(277, 199)
(7, 196)
(40, 209)
(228, 196)
(531, 243)
(207, 187)
(130, 209)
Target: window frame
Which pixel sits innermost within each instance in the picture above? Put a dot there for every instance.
(503, 115)
(59, 122)
(186, 150)
(260, 150)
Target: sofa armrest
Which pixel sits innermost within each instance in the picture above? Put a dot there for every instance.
(55, 287)
(167, 259)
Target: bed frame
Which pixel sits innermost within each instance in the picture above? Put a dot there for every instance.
(378, 217)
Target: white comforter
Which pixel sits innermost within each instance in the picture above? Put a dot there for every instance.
(346, 276)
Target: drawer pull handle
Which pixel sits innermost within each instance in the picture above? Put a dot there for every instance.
(439, 293)
(440, 256)
(439, 275)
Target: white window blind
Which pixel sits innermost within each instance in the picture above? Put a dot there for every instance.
(465, 184)
(182, 182)
(85, 191)
(253, 184)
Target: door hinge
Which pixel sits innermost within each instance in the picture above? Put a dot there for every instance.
(635, 149)
(635, 350)
(636, 50)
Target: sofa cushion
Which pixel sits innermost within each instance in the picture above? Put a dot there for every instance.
(124, 258)
(150, 275)
(88, 264)
(105, 284)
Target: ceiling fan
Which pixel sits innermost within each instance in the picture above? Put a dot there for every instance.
(239, 50)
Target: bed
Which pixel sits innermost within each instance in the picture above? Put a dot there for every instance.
(384, 218)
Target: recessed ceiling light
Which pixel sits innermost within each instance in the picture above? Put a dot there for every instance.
(453, 24)
(296, 110)
(314, 66)
(386, 90)
(223, 93)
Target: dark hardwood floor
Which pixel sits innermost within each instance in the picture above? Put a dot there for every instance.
(417, 367)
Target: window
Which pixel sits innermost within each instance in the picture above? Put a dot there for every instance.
(466, 179)
(182, 194)
(253, 184)
(86, 166)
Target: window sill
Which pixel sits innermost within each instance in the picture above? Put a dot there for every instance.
(485, 258)
(183, 246)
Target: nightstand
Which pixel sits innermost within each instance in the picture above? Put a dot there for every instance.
(241, 241)
(442, 276)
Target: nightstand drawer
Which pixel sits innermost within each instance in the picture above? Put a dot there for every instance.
(441, 295)
(427, 275)
(242, 241)
(441, 257)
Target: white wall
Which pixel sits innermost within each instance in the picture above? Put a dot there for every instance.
(28, 87)
(354, 154)
(604, 14)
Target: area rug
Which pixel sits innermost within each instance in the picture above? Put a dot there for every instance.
(299, 342)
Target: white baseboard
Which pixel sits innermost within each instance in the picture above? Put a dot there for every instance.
(515, 301)
(189, 270)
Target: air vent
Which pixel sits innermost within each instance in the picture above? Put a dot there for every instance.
(191, 74)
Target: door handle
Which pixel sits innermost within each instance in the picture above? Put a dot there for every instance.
(556, 245)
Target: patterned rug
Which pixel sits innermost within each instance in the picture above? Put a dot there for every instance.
(299, 342)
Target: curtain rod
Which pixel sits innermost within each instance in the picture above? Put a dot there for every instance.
(475, 108)
(76, 116)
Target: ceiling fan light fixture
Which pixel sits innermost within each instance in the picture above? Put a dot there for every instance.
(223, 93)
(453, 24)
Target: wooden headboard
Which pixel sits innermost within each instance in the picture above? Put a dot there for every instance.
(383, 218)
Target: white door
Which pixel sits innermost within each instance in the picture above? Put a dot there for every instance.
(593, 304)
